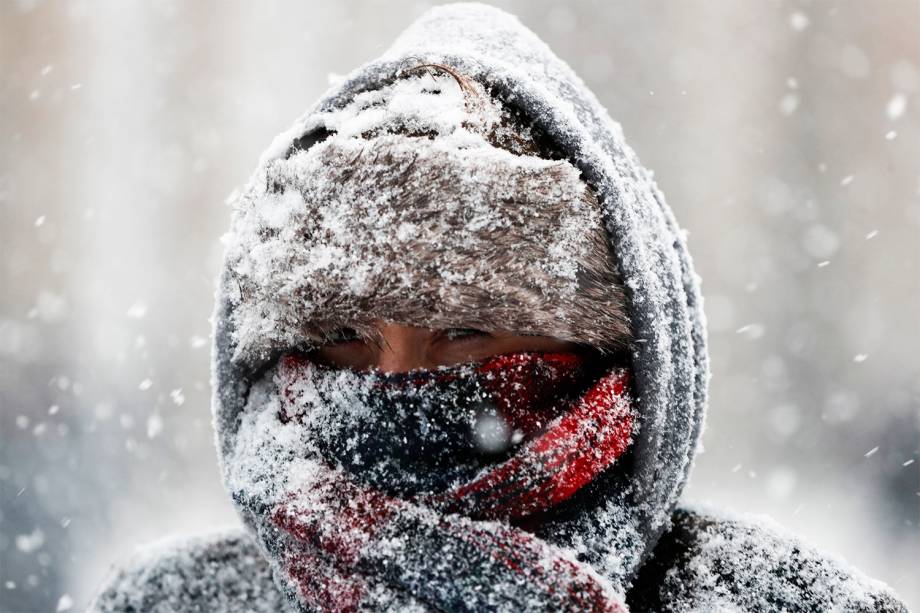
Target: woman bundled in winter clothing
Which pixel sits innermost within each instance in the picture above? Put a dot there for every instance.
(460, 364)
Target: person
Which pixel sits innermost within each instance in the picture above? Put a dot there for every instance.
(460, 364)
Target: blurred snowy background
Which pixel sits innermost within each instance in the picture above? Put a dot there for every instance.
(786, 136)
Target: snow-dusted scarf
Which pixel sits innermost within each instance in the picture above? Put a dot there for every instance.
(370, 494)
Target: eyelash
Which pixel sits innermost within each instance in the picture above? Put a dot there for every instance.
(454, 334)
(349, 335)
(341, 336)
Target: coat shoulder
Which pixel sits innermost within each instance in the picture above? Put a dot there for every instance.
(708, 563)
(221, 573)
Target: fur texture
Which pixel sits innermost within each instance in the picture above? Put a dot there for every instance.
(434, 232)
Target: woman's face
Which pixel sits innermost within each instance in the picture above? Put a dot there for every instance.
(404, 348)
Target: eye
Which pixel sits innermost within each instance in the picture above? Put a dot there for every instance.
(342, 336)
(454, 334)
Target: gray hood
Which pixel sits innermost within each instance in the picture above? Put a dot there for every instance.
(670, 361)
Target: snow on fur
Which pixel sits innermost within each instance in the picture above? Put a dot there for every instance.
(407, 213)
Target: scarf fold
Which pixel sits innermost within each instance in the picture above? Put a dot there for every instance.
(347, 541)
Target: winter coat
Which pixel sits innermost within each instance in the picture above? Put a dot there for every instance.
(658, 556)
(702, 563)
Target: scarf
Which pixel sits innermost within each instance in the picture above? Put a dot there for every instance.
(427, 489)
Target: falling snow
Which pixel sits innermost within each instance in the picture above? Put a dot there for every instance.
(795, 174)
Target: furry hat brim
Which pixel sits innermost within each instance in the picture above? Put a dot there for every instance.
(416, 232)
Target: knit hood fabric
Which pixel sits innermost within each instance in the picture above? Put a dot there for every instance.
(669, 359)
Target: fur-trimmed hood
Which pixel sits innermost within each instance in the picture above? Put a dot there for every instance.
(662, 299)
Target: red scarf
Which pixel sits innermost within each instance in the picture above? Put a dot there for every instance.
(348, 546)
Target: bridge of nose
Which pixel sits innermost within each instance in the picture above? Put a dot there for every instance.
(403, 348)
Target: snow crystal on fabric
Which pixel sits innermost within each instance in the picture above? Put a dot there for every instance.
(730, 563)
(219, 572)
(280, 477)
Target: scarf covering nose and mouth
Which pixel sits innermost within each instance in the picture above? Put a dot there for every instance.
(434, 511)
(421, 430)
